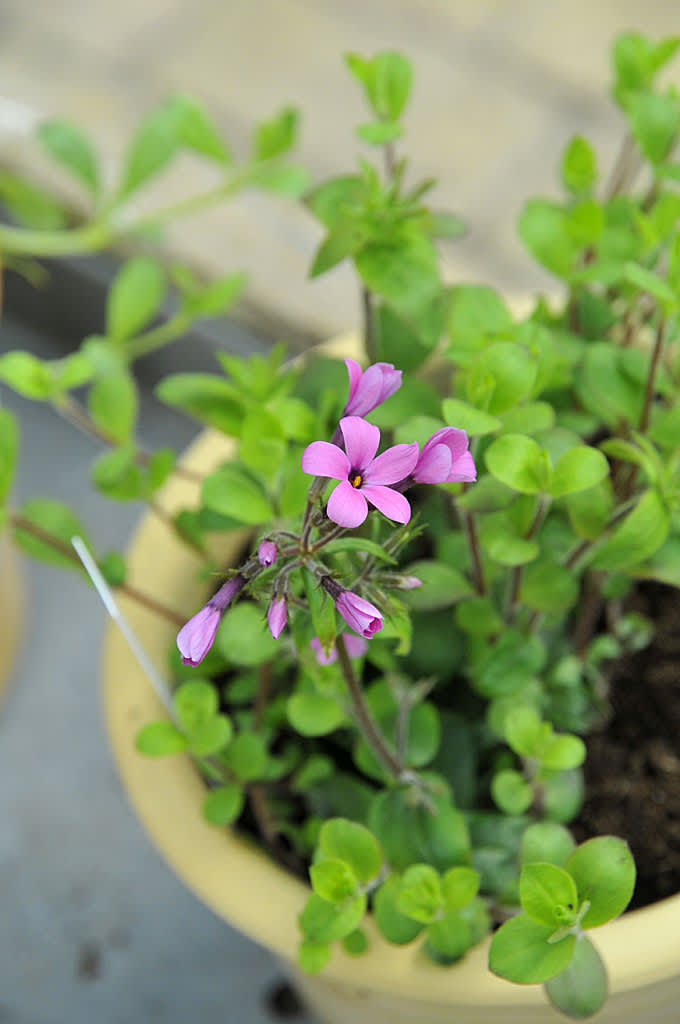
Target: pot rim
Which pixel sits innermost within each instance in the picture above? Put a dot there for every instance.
(230, 873)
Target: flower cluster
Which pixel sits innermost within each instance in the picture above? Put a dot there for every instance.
(364, 478)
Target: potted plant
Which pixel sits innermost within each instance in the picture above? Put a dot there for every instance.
(405, 598)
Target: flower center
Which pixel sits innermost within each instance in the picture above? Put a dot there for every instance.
(355, 480)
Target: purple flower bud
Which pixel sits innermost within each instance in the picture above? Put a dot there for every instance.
(445, 458)
(409, 583)
(360, 615)
(276, 616)
(356, 646)
(368, 388)
(266, 553)
(197, 636)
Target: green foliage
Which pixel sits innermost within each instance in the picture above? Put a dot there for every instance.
(68, 145)
(134, 298)
(580, 989)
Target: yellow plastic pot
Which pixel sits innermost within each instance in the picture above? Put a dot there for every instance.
(10, 610)
(388, 984)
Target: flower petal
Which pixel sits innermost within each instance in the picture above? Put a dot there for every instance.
(367, 392)
(434, 465)
(356, 645)
(393, 465)
(391, 503)
(321, 458)
(361, 441)
(463, 468)
(347, 506)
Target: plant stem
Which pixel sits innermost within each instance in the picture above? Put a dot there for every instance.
(651, 374)
(516, 575)
(369, 324)
(64, 549)
(470, 528)
(157, 337)
(364, 719)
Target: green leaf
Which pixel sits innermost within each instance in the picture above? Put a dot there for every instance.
(338, 200)
(313, 714)
(217, 297)
(231, 492)
(404, 272)
(395, 926)
(68, 145)
(333, 880)
(523, 730)
(287, 180)
(153, 146)
(641, 533)
(26, 374)
(321, 921)
(378, 133)
(511, 793)
(604, 872)
(590, 511)
(210, 736)
(579, 166)
(441, 586)
(223, 805)
(112, 402)
(450, 935)
(548, 894)
(506, 666)
(196, 130)
(113, 569)
(530, 418)
(580, 990)
(343, 241)
(313, 956)
(518, 462)
(637, 60)
(117, 475)
(548, 842)
(352, 843)
(466, 417)
(410, 833)
(243, 637)
(246, 756)
(361, 544)
(605, 389)
(654, 121)
(209, 398)
(9, 446)
(322, 611)
(578, 469)
(355, 943)
(194, 702)
(459, 886)
(503, 370)
(548, 587)
(520, 951)
(134, 298)
(276, 135)
(477, 313)
(158, 739)
(650, 282)
(544, 229)
(55, 520)
(386, 79)
(563, 752)
(33, 207)
(420, 894)
(501, 542)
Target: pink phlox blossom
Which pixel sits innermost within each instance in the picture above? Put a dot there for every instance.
(356, 646)
(362, 476)
(368, 388)
(266, 553)
(360, 615)
(276, 616)
(445, 458)
(197, 636)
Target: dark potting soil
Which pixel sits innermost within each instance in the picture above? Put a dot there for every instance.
(632, 771)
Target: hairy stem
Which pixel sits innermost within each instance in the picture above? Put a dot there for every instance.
(470, 529)
(364, 719)
(369, 324)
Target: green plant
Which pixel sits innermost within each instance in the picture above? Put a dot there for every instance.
(427, 763)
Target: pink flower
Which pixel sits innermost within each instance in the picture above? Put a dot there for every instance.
(276, 616)
(368, 388)
(362, 476)
(266, 553)
(360, 615)
(445, 458)
(196, 636)
(356, 646)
